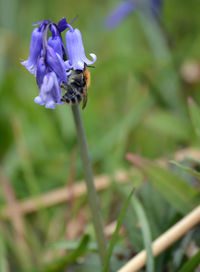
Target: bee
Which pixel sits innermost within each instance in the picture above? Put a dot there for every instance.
(76, 88)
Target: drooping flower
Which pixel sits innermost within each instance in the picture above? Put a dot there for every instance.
(46, 62)
(126, 7)
(50, 91)
(35, 50)
(75, 50)
(55, 63)
(48, 59)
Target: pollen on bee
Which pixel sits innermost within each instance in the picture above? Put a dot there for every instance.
(86, 74)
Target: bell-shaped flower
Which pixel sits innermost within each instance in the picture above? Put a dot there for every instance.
(41, 71)
(75, 50)
(56, 63)
(56, 41)
(35, 50)
(50, 91)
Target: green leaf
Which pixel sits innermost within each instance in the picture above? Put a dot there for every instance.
(146, 233)
(191, 264)
(115, 234)
(3, 260)
(62, 263)
(167, 79)
(124, 125)
(187, 169)
(169, 124)
(175, 190)
(72, 245)
(194, 115)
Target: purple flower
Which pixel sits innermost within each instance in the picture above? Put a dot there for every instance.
(56, 63)
(124, 8)
(50, 73)
(56, 41)
(75, 50)
(41, 71)
(48, 61)
(35, 50)
(48, 83)
(50, 92)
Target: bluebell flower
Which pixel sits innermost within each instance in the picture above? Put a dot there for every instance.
(126, 7)
(35, 50)
(75, 50)
(50, 91)
(50, 73)
(55, 41)
(56, 63)
(48, 59)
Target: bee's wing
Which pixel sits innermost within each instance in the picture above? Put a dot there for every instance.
(85, 97)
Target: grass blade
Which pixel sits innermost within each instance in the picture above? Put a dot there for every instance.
(175, 190)
(62, 263)
(115, 234)
(192, 263)
(187, 169)
(3, 261)
(194, 115)
(146, 233)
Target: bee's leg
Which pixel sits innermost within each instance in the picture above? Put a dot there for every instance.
(64, 86)
(85, 97)
(69, 91)
(75, 98)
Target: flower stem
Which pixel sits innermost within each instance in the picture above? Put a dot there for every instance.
(89, 178)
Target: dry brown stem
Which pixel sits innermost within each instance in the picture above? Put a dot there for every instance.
(62, 195)
(164, 241)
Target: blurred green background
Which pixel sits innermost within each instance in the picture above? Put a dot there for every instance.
(145, 72)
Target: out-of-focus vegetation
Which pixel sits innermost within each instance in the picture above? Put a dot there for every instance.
(137, 103)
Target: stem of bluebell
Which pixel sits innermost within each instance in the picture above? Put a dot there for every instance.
(89, 179)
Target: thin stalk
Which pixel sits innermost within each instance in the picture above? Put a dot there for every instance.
(89, 178)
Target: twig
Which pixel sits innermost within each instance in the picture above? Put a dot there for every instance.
(101, 182)
(16, 216)
(164, 241)
(63, 194)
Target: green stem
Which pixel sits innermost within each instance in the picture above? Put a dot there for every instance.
(89, 178)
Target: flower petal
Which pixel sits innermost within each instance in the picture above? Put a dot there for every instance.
(55, 62)
(41, 71)
(62, 24)
(38, 100)
(50, 91)
(56, 44)
(50, 105)
(35, 50)
(75, 50)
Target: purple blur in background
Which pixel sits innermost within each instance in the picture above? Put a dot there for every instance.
(126, 7)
